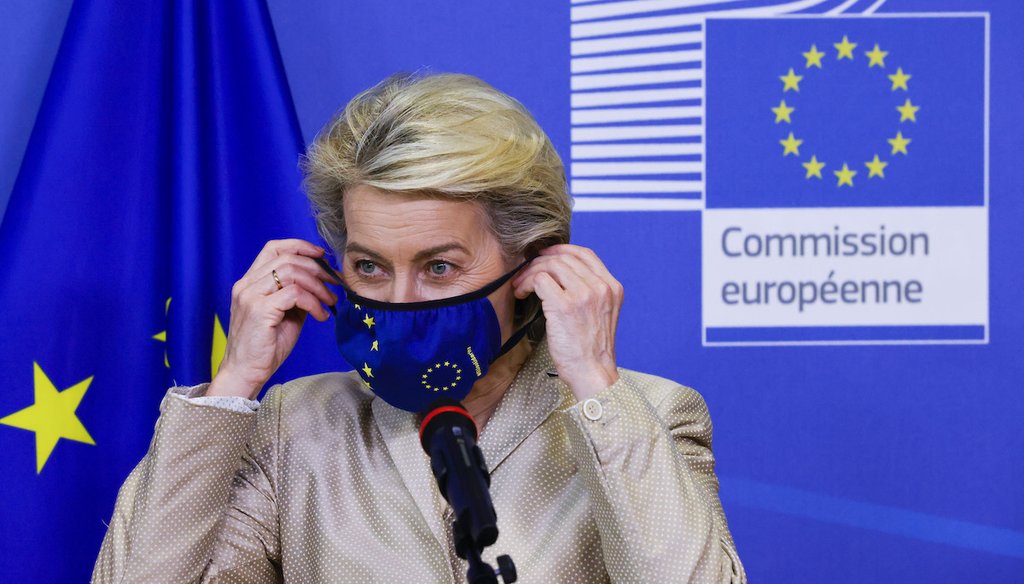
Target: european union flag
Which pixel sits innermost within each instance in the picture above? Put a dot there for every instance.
(846, 111)
(164, 156)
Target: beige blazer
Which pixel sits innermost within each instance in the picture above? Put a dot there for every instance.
(325, 483)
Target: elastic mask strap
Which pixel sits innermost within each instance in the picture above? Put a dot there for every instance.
(327, 268)
(517, 336)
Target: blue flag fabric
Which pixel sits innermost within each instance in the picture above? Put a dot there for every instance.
(846, 111)
(163, 158)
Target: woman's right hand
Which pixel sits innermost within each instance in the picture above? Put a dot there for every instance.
(266, 321)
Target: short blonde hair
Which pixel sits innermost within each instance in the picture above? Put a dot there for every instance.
(449, 136)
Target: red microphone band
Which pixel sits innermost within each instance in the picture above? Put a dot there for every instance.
(443, 409)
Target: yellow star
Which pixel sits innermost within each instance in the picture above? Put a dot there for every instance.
(437, 365)
(367, 370)
(782, 112)
(908, 111)
(899, 143)
(845, 175)
(899, 79)
(791, 145)
(876, 167)
(813, 57)
(373, 347)
(790, 81)
(369, 321)
(52, 416)
(447, 363)
(845, 48)
(162, 335)
(876, 56)
(219, 347)
(357, 307)
(424, 377)
(813, 167)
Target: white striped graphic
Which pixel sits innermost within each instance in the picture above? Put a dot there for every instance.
(628, 152)
(629, 168)
(635, 204)
(633, 114)
(638, 96)
(591, 64)
(609, 27)
(606, 187)
(591, 151)
(646, 41)
(635, 133)
(581, 82)
(637, 7)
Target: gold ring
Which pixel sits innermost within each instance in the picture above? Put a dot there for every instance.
(276, 279)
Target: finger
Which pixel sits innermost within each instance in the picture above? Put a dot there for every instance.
(530, 285)
(570, 273)
(262, 279)
(293, 296)
(541, 263)
(579, 283)
(588, 257)
(524, 283)
(278, 247)
(550, 293)
(290, 273)
(306, 264)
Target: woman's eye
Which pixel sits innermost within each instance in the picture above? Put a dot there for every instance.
(440, 268)
(366, 267)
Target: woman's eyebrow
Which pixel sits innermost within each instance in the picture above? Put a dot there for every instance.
(353, 247)
(439, 249)
(356, 248)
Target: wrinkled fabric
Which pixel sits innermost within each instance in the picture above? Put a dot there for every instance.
(413, 353)
(326, 483)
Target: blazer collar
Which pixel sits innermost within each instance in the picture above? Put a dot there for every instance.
(535, 393)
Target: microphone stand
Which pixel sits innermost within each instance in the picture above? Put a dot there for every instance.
(448, 435)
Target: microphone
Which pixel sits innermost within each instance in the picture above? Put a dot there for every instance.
(448, 435)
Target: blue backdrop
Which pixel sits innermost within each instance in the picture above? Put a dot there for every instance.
(839, 462)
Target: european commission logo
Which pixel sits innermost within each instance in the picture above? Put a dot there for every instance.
(839, 162)
(846, 192)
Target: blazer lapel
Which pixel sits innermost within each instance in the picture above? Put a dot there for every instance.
(535, 393)
(401, 435)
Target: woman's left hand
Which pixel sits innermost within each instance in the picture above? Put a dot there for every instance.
(581, 302)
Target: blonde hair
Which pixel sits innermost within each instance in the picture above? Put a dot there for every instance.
(448, 136)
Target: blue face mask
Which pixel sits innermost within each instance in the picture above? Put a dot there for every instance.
(412, 353)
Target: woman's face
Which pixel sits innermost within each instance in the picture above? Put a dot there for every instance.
(404, 248)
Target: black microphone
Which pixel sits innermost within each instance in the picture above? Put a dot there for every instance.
(448, 435)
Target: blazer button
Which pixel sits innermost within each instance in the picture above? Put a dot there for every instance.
(593, 409)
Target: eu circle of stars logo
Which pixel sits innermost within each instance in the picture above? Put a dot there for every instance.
(442, 376)
(846, 55)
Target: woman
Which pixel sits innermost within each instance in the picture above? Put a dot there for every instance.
(427, 188)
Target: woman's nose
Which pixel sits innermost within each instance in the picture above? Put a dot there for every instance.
(404, 289)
